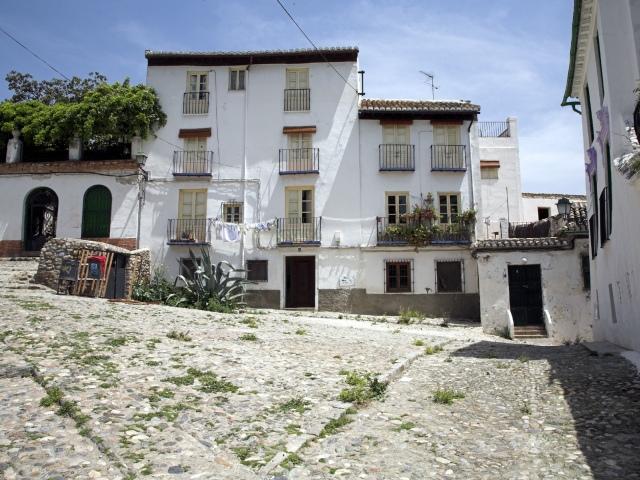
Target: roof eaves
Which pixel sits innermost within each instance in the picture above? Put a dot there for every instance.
(575, 29)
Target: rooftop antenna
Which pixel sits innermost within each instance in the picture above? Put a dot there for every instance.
(430, 78)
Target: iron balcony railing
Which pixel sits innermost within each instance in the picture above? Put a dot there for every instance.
(494, 129)
(299, 230)
(297, 99)
(195, 103)
(188, 231)
(299, 160)
(448, 158)
(539, 229)
(396, 157)
(421, 233)
(192, 163)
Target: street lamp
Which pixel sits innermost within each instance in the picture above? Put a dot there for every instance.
(564, 207)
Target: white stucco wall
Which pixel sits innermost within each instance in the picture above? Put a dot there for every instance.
(616, 268)
(563, 293)
(70, 190)
(501, 197)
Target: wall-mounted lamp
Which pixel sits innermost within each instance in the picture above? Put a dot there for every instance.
(564, 207)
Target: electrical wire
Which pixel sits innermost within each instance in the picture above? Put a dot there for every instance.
(316, 48)
(33, 53)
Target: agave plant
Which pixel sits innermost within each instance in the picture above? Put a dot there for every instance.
(210, 287)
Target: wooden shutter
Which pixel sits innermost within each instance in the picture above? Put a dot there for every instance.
(96, 212)
(193, 204)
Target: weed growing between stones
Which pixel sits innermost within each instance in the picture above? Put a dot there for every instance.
(407, 316)
(432, 349)
(525, 409)
(337, 423)
(301, 331)
(418, 343)
(294, 405)
(405, 426)
(116, 341)
(363, 388)
(293, 429)
(209, 381)
(181, 336)
(446, 396)
(35, 305)
(250, 322)
(291, 461)
(249, 337)
(523, 359)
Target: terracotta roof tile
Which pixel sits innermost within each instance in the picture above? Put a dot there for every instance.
(418, 106)
(545, 243)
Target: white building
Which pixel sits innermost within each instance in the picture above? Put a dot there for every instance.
(538, 206)
(603, 77)
(280, 136)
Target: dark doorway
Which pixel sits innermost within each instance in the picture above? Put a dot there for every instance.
(41, 213)
(525, 294)
(300, 282)
(116, 282)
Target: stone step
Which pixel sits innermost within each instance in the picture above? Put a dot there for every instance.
(530, 331)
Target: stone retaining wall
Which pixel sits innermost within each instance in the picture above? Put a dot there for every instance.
(58, 249)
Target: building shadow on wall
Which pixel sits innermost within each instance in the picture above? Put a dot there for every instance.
(603, 394)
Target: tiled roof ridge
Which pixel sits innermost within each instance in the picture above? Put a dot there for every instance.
(543, 195)
(148, 53)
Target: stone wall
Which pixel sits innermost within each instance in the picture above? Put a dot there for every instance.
(58, 249)
(10, 248)
(263, 298)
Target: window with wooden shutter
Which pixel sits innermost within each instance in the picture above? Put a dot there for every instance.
(192, 215)
(446, 135)
(449, 207)
(96, 212)
(449, 276)
(398, 276)
(297, 78)
(257, 270)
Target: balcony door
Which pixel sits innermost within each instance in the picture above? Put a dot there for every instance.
(195, 155)
(395, 139)
(299, 226)
(297, 78)
(197, 84)
(192, 216)
(300, 157)
(296, 93)
(446, 135)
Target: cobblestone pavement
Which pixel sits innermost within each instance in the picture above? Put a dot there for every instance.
(94, 389)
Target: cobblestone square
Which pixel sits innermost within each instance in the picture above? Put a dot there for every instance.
(95, 389)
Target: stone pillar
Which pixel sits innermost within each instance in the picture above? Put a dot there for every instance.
(136, 146)
(14, 148)
(75, 148)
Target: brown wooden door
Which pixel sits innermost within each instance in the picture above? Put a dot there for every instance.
(300, 282)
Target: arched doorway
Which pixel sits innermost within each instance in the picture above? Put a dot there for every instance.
(96, 212)
(41, 214)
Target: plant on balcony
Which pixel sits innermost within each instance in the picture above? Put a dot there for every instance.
(218, 288)
(468, 217)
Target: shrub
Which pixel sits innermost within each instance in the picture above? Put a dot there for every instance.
(158, 289)
(446, 396)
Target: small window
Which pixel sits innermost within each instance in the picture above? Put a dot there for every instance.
(543, 212)
(236, 78)
(188, 267)
(232, 212)
(197, 81)
(586, 272)
(489, 173)
(449, 276)
(449, 207)
(593, 234)
(258, 270)
(397, 207)
(398, 276)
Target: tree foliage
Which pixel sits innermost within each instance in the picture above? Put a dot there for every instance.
(91, 108)
(56, 90)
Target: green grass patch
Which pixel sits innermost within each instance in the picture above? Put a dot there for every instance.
(294, 405)
(180, 336)
(291, 461)
(447, 396)
(54, 395)
(363, 387)
(209, 381)
(250, 322)
(433, 349)
(336, 424)
(405, 426)
(418, 343)
(301, 331)
(249, 337)
(116, 341)
(407, 316)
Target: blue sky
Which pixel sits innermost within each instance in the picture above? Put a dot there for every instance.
(509, 56)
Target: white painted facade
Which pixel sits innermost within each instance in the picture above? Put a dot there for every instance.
(532, 202)
(608, 108)
(565, 300)
(500, 197)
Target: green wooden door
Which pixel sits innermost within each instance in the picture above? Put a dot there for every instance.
(96, 212)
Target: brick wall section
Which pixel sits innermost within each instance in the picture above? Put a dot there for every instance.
(128, 243)
(10, 248)
(66, 166)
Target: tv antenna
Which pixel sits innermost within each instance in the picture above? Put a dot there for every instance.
(430, 79)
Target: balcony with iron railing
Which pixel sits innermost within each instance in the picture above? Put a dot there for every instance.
(299, 160)
(494, 130)
(189, 231)
(299, 231)
(297, 99)
(195, 103)
(396, 157)
(192, 163)
(448, 158)
(422, 233)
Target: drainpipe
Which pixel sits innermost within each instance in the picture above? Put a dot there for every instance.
(471, 164)
(244, 162)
